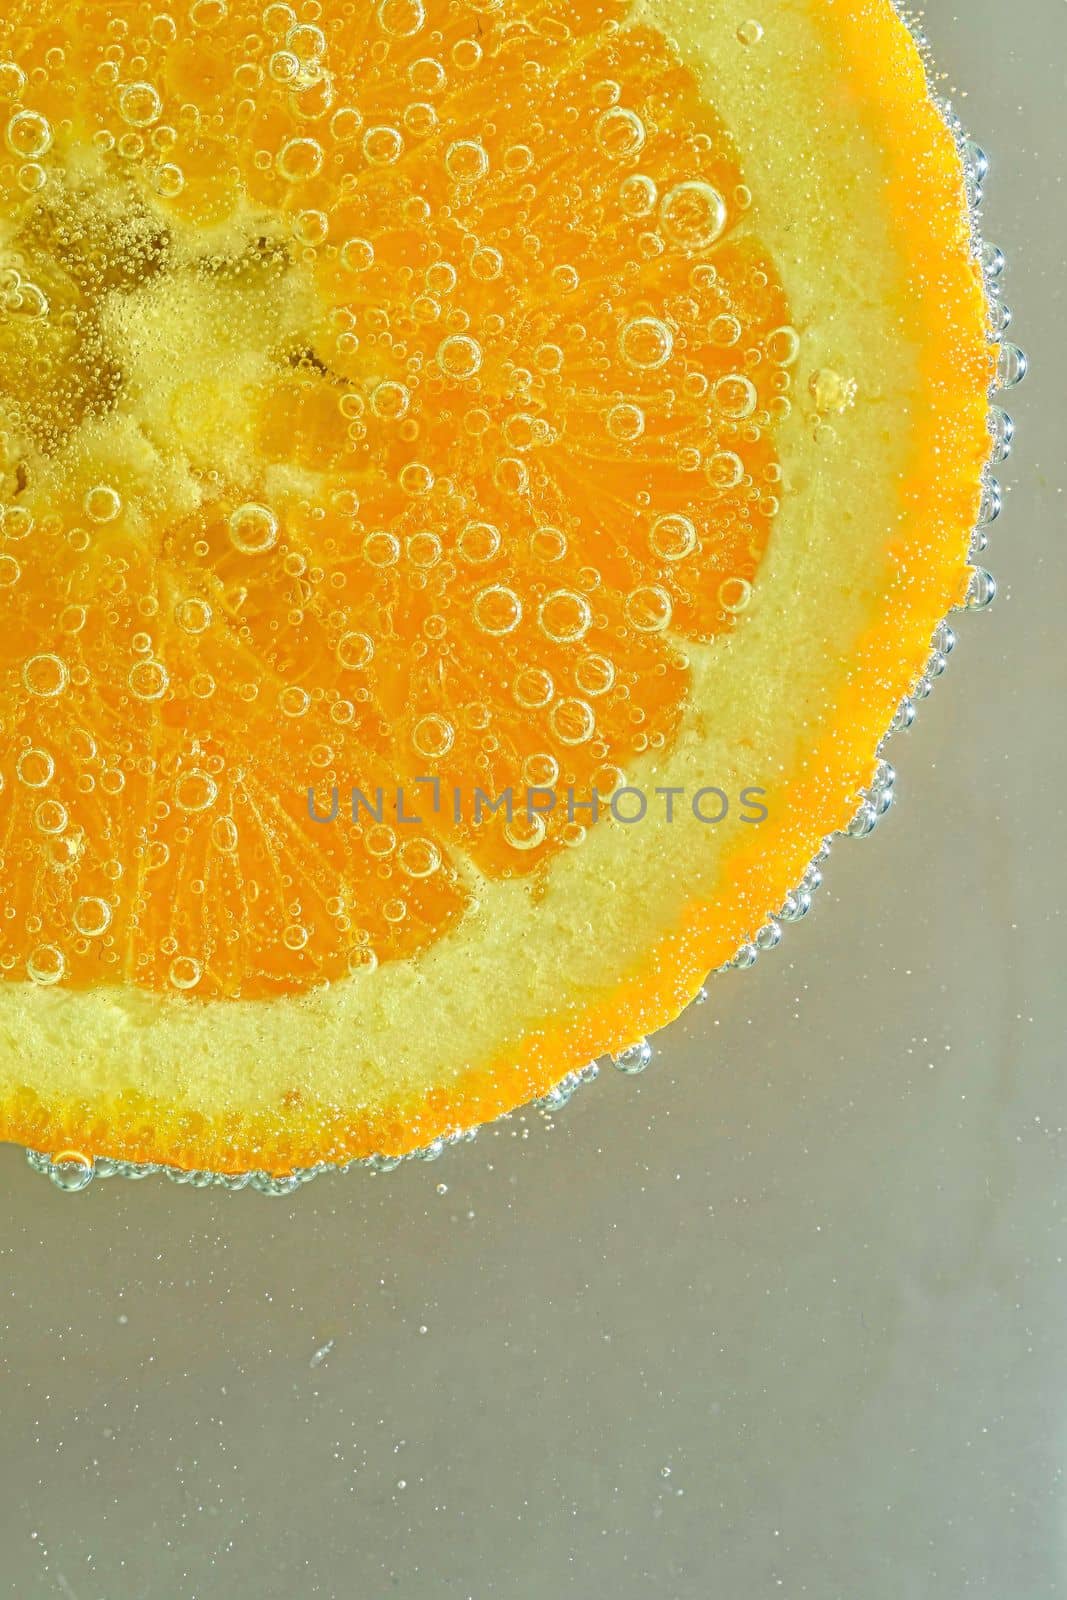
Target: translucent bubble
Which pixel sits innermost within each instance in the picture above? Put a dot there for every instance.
(724, 470)
(390, 401)
(637, 195)
(300, 159)
(224, 834)
(102, 503)
(673, 537)
(572, 721)
(533, 688)
(185, 972)
(148, 680)
(35, 768)
(565, 616)
(783, 346)
(735, 594)
(381, 549)
(548, 543)
(649, 608)
(293, 701)
(594, 674)
(433, 736)
(10, 571)
(419, 858)
(193, 616)
(12, 80)
(486, 263)
(478, 542)
(139, 104)
(71, 1171)
(195, 791)
(625, 422)
(750, 32)
(416, 479)
(466, 161)
(620, 133)
(497, 610)
(646, 343)
(46, 964)
(51, 817)
(525, 832)
(28, 135)
(253, 528)
(692, 215)
(459, 356)
(401, 19)
(355, 650)
(45, 676)
(724, 330)
(357, 255)
(91, 917)
(168, 180)
(382, 145)
(736, 395)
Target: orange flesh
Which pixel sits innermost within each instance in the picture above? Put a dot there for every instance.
(507, 491)
(234, 894)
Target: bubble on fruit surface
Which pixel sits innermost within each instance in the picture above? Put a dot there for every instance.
(28, 135)
(185, 972)
(91, 917)
(466, 161)
(46, 964)
(565, 616)
(102, 503)
(637, 195)
(497, 610)
(459, 356)
(620, 133)
(148, 680)
(45, 675)
(253, 528)
(693, 215)
(139, 104)
(735, 594)
(749, 32)
(70, 1171)
(646, 343)
(433, 736)
(625, 422)
(673, 537)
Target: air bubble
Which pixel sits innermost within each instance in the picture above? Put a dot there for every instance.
(497, 610)
(185, 972)
(735, 594)
(673, 537)
(28, 135)
(91, 917)
(383, 145)
(693, 215)
(736, 396)
(433, 736)
(459, 356)
(466, 161)
(750, 32)
(148, 680)
(139, 104)
(625, 423)
(565, 616)
(46, 964)
(649, 608)
(253, 528)
(45, 676)
(102, 503)
(646, 343)
(620, 133)
(71, 1171)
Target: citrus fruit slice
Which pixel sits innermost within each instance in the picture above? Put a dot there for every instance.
(476, 481)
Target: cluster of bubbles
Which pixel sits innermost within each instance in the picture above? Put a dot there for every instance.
(516, 467)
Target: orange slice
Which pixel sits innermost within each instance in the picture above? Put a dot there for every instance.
(414, 411)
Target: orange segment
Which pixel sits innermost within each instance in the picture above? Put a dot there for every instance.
(440, 401)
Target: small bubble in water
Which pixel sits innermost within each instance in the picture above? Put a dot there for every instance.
(253, 528)
(646, 343)
(693, 215)
(28, 135)
(71, 1171)
(750, 32)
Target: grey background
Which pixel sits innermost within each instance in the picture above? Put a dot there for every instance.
(783, 1318)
